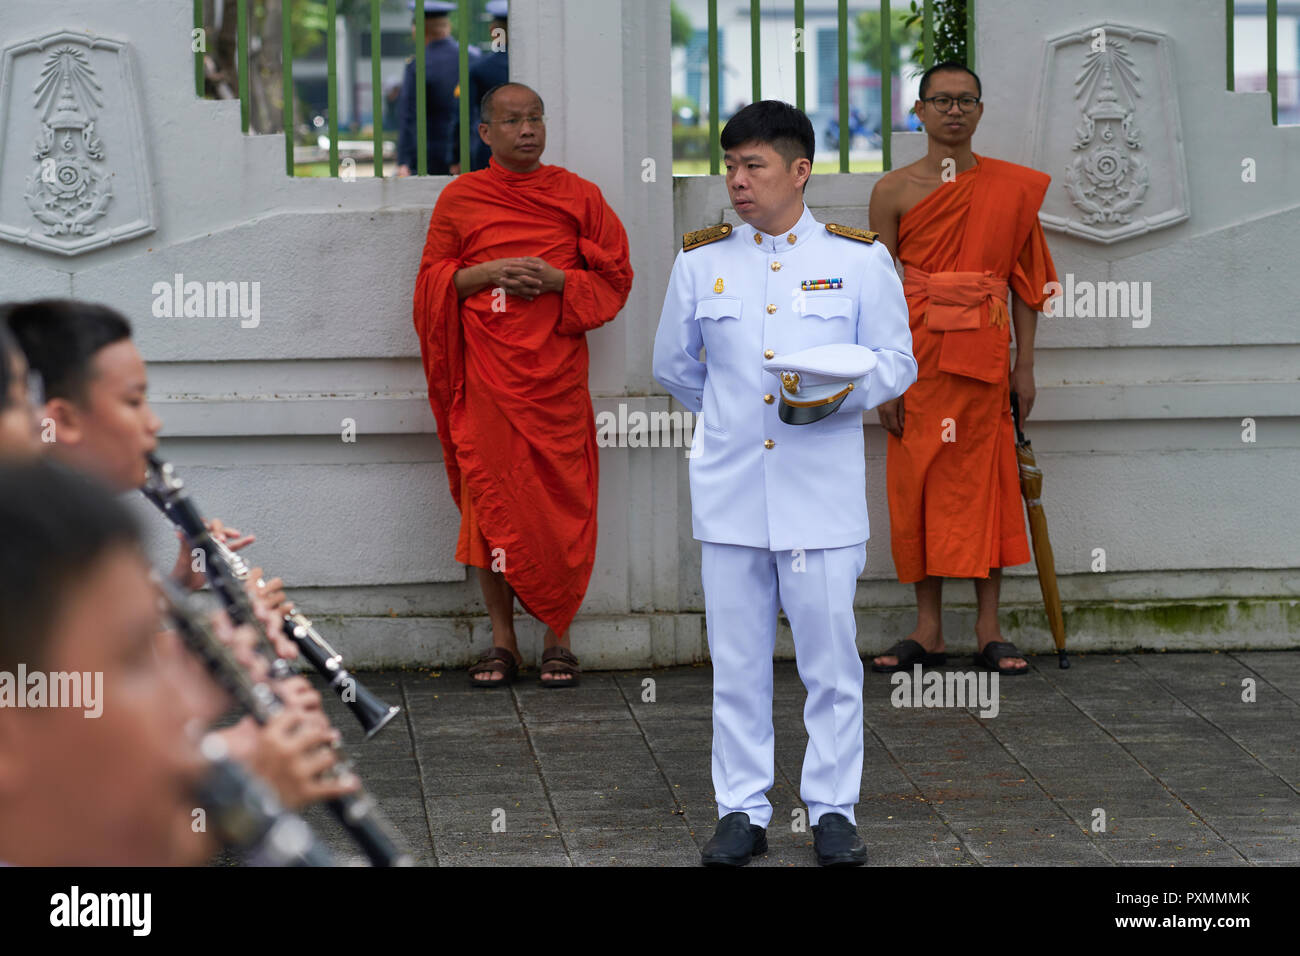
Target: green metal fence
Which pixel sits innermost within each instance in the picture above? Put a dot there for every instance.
(887, 67)
(462, 30)
(463, 22)
(842, 80)
(1270, 26)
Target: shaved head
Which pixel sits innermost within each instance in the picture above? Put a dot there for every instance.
(949, 66)
(485, 105)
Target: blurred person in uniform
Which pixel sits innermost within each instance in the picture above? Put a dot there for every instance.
(442, 76)
(491, 70)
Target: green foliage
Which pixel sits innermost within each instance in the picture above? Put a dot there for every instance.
(682, 28)
(902, 32)
(310, 22)
(680, 102)
(949, 32)
(690, 142)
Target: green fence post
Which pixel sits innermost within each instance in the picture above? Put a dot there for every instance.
(286, 71)
(198, 54)
(241, 43)
(886, 89)
(715, 151)
(927, 35)
(755, 52)
(421, 120)
(800, 41)
(970, 34)
(1272, 56)
(843, 57)
(1230, 11)
(331, 74)
(463, 42)
(376, 91)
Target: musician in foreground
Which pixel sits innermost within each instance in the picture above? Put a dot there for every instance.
(100, 760)
(101, 424)
(107, 778)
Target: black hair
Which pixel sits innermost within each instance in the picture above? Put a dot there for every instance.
(944, 67)
(58, 523)
(485, 104)
(780, 125)
(61, 337)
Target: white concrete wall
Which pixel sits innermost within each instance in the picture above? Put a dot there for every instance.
(1139, 433)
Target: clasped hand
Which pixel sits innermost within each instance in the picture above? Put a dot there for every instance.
(527, 276)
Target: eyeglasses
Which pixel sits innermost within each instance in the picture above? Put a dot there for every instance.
(516, 121)
(944, 103)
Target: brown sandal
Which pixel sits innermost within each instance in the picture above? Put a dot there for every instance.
(498, 660)
(560, 660)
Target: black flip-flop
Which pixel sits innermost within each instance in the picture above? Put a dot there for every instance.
(994, 651)
(909, 652)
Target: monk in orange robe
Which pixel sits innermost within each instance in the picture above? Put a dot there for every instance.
(966, 230)
(521, 261)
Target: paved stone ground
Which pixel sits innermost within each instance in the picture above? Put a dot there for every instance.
(1186, 772)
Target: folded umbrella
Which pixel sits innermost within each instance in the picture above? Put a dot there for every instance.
(1031, 487)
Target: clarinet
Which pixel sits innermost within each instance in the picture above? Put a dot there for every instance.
(357, 812)
(246, 815)
(227, 572)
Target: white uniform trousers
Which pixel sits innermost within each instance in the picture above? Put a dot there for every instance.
(742, 589)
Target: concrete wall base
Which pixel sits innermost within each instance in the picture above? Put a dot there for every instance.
(631, 641)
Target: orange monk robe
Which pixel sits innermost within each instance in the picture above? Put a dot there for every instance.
(508, 377)
(954, 504)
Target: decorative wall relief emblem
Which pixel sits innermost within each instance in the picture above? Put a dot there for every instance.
(73, 100)
(69, 189)
(1109, 134)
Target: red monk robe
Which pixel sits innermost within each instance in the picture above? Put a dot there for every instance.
(509, 387)
(954, 506)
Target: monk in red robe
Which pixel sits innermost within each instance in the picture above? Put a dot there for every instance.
(521, 261)
(965, 228)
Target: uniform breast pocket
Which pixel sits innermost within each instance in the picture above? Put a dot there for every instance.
(719, 308)
(719, 319)
(828, 319)
(720, 328)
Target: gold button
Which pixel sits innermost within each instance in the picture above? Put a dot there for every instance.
(769, 354)
(769, 444)
(776, 267)
(769, 398)
(758, 238)
(792, 238)
(771, 307)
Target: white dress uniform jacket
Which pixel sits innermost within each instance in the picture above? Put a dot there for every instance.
(756, 481)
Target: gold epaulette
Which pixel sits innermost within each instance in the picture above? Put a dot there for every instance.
(702, 237)
(851, 232)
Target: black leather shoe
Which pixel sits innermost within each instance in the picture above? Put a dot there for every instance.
(734, 842)
(837, 842)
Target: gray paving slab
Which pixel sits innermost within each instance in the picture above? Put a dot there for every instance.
(1186, 772)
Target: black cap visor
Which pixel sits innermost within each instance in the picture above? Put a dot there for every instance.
(807, 414)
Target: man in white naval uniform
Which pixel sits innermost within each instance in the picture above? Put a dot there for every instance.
(780, 509)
